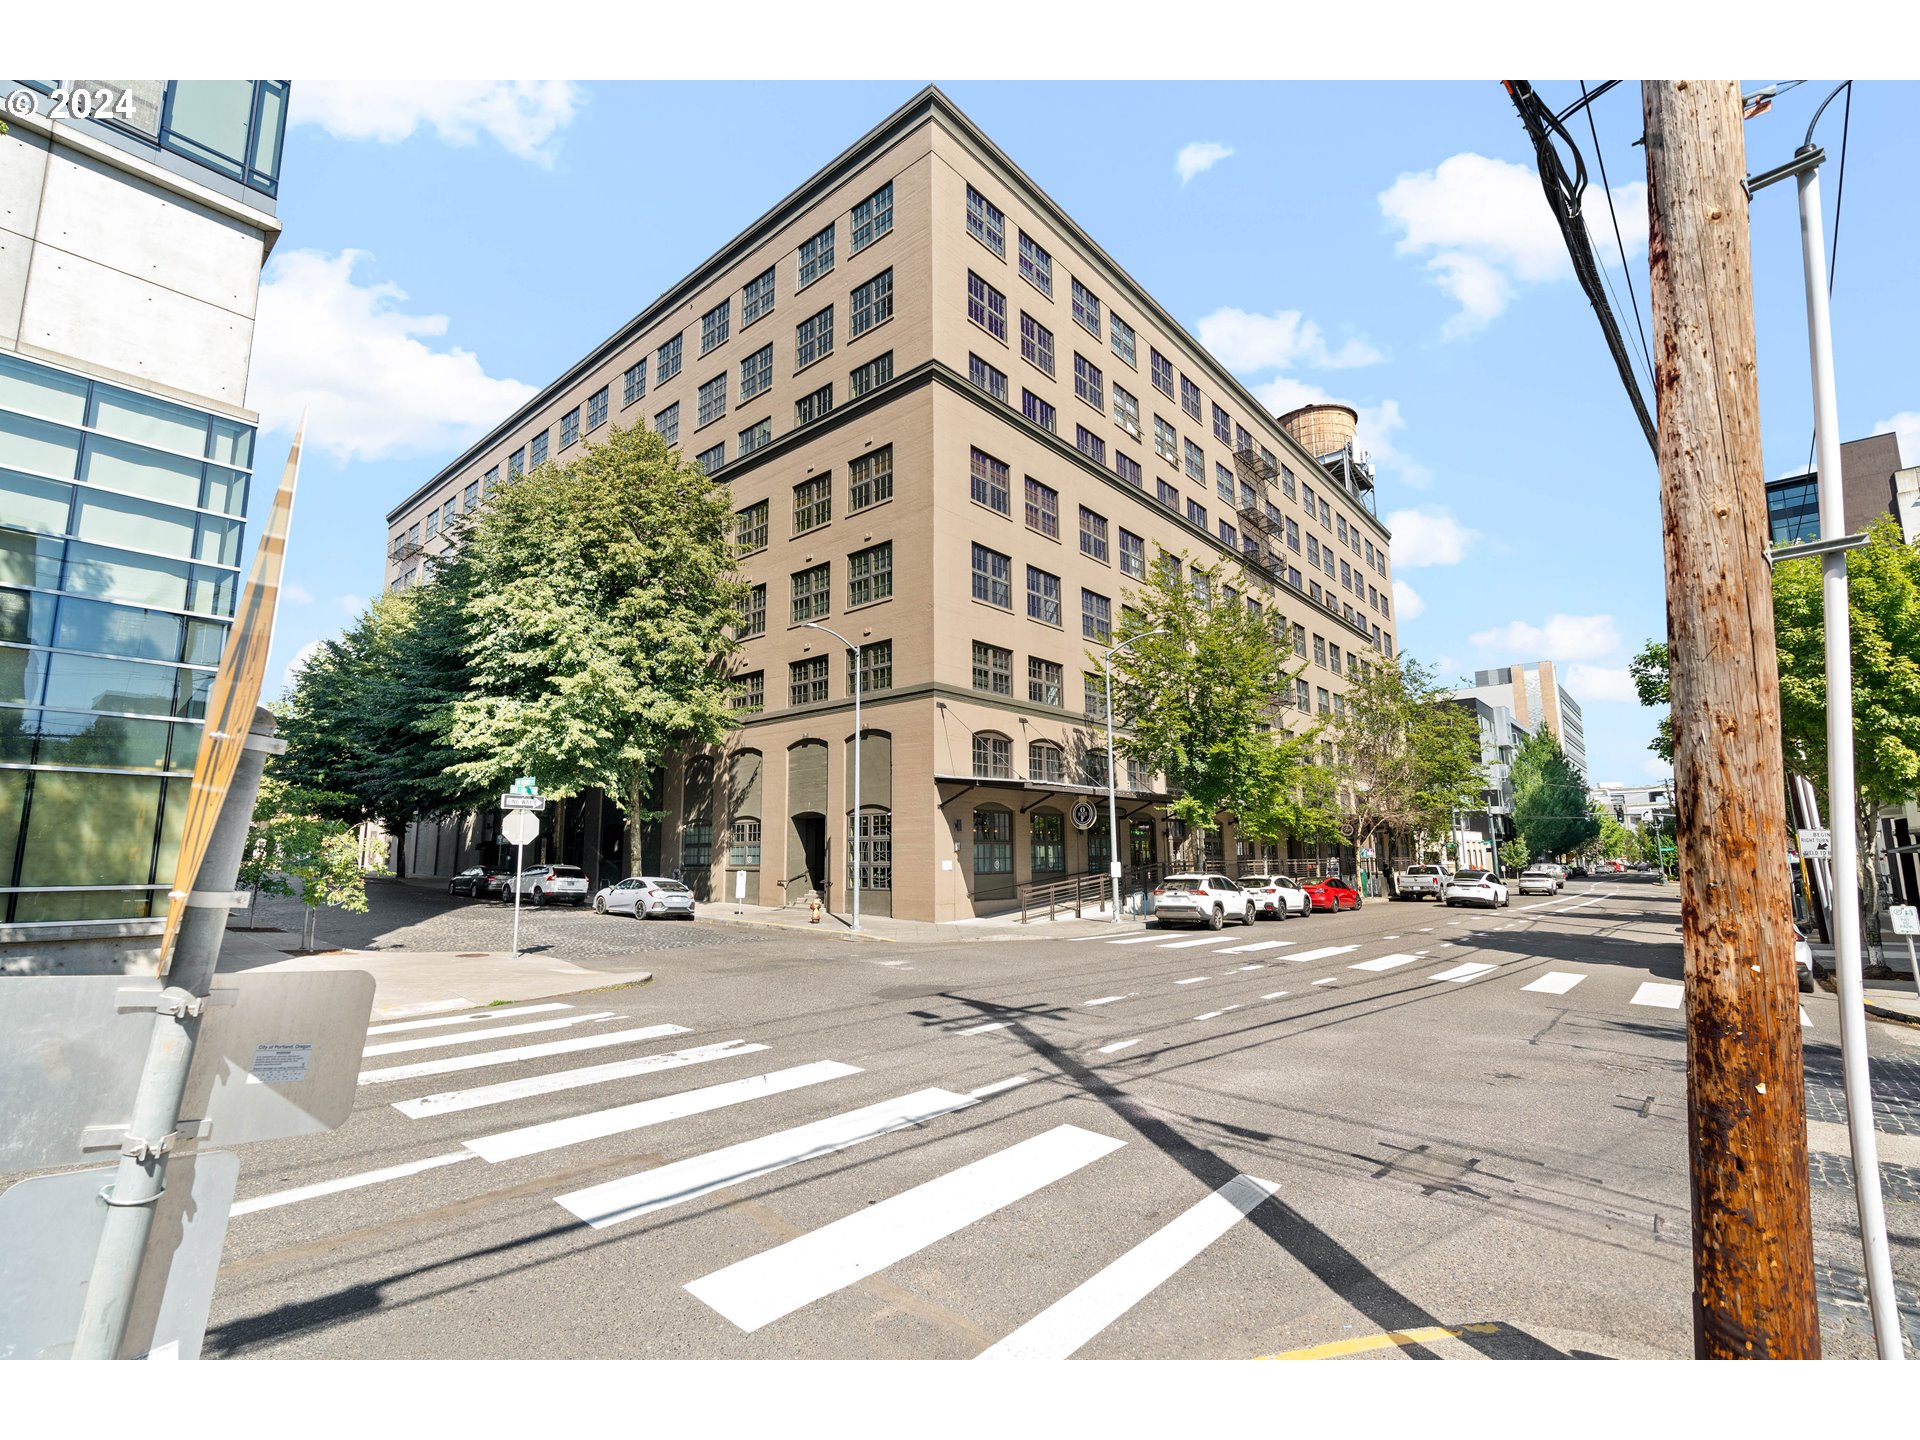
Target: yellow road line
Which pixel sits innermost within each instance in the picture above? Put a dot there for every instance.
(1360, 1344)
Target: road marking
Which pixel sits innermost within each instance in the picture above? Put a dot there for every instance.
(1189, 944)
(485, 1058)
(1805, 1019)
(1112, 999)
(1325, 953)
(1462, 973)
(1216, 1014)
(982, 1029)
(468, 1037)
(1258, 945)
(1664, 997)
(997, 1086)
(449, 1101)
(503, 1013)
(632, 1196)
(1241, 970)
(1134, 940)
(598, 1124)
(1426, 929)
(1193, 980)
(424, 1007)
(1117, 1045)
(1328, 981)
(1555, 982)
(1074, 1319)
(1389, 937)
(1385, 962)
(755, 1292)
(348, 1182)
(1582, 905)
(1274, 996)
(1361, 1344)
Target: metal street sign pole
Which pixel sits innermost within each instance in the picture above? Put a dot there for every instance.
(519, 853)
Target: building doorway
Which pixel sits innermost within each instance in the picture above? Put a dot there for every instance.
(810, 835)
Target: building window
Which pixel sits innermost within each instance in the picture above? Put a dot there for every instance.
(754, 436)
(1096, 617)
(756, 373)
(752, 531)
(876, 667)
(992, 827)
(991, 480)
(811, 592)
(1320, 651)
(1161, 369)
(1128, 469)
(873, 217)
(1039, 411)
(1166, 495)
(1093, 535)
(992, 669)
(876, 850)
(1286, 480)
(1303, 696)
(1133, 555)
(813, 339)
(1333, 657)
(1043, 508)
(1036, 343)
(492, 480)
(1049, 840)
(667, 423)
(667, 361)
(872, 303)
(472, 497)
(1196, 462)
(1340, 525)
(748, 695)
(1293, 535)
(1045, 681)
(715, 325)
(757, 299)
(992, 577)
(1090, 444)
(433, 523)
(872, 375)
(1126, 411)
(1189, 397)
(570, 427)
(1043, 596)
(1196, 513)
(870, 478)
(1086, 309)
(1165, 441)
(1321, 701)
(713, 458)
(816, 257)
(812, 503)
(744, 853)
(1242, 438)
(1229, 536)
(753, 613)
(1088, 383)
(986, 307)
(1222, 425)
(597, 409)
(713, 400)
(1300, 641)
(870, 574)
(993, 381)
(1223, 485)
(1094, 686)
(985, 222)
(809, 408)
(807, 681)
(537, 449)
(1120, 338)
(1313, 551)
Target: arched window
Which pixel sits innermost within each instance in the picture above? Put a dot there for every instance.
(992, 756)
(696, 836)
(1045, 762)
(992, 840)
(1049, 842)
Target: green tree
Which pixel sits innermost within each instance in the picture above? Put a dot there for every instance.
(291, 847)
(1515, 854)
(1613, 839)
(1550, 804)
(595, 603)
(1200, 702)
(1649, 671)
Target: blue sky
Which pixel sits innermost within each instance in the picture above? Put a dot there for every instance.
(451, 246)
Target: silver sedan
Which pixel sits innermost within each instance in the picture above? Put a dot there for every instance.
(646, 897)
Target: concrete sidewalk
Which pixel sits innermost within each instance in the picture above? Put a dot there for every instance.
(884, 928)
(418, 982)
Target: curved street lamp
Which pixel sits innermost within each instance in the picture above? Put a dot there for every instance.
(1113, 768)
(855, 843)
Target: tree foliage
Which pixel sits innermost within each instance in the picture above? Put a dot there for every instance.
(1649, 671)
(295, 845)
(1550, 804)
(1515, 854)
(1404, 756)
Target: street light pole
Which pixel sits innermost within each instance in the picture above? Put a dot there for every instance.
(855, 843)
(1113, 769)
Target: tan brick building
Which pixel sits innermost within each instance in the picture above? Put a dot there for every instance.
(956, 432)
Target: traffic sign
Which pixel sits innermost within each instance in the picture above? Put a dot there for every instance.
(520, 828)
(526, 785)
(514, 800)
(1906, 920)
(1816, 844)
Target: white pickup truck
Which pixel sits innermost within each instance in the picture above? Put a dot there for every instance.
(1420, 882)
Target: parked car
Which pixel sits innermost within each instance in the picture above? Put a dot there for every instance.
(1803, 960)
(1209, 900)
(551, 884)
(1537, 882)
(1420, 882)
(1277, 895)
(1332, 893)
(478, 880)
(1577, 872)
(1476, 887)
(646, 897)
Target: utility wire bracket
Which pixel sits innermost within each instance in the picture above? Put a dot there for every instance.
(1805, 160)
(1807, 548)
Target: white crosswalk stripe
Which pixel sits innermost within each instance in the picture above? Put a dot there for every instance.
(505, 1012)
(470, 1037)
(1109, 999)
(449, 1101)
(1661, 996)
(1326, 952)
(1135, 940)
(982, 1029)
(1460, 974)
(1555, 982)
(1385, 962)
(447, 1065)
(347, 1182)
(1257, 946)
(1189, 944)
(755, 1292)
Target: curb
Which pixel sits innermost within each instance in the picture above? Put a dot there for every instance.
(837, 934)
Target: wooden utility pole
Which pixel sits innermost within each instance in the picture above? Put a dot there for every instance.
(1746, 1104)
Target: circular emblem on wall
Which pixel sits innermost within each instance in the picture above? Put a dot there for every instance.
(1085, 813)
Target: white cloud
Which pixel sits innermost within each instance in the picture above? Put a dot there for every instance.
(1199, 157)
(1373, 431)
(300, 657)
(1280, 341)
(363, 367)
(353, 604)
(1484, 229)
(1407, 603)
(1907, 426)
(1422, 537)
(1587, 683)
(524, 116)
(1563, 637)
(295, 594)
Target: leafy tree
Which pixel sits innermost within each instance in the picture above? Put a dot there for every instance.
(292, 846)
(1516, 853)
(594, 604)
(1200, 702)
(1649, 671)
(1549, 798)
(1613, 839)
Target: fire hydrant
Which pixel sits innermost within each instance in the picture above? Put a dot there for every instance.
(813, 910)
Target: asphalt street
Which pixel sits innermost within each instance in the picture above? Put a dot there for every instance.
(1463, 1129)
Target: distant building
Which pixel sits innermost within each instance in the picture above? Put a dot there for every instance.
(1635, 805)
(1482, 832)
(1872, 484)
(1534, 695)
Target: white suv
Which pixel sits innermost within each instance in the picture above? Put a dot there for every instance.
(1277, 895)
(1209, 900)
(550, 884)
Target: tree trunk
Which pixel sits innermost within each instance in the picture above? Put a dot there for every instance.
(399, 831)
(559, 830)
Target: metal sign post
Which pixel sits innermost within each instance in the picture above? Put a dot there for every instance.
(520, 827)
(1906, 921)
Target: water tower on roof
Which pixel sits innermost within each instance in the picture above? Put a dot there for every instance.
(1325, 431)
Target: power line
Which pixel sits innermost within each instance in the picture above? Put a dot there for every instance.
(1626, 270)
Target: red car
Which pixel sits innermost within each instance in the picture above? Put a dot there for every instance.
(1332, 894)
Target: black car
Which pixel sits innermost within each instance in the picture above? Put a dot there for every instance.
(478, 881)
